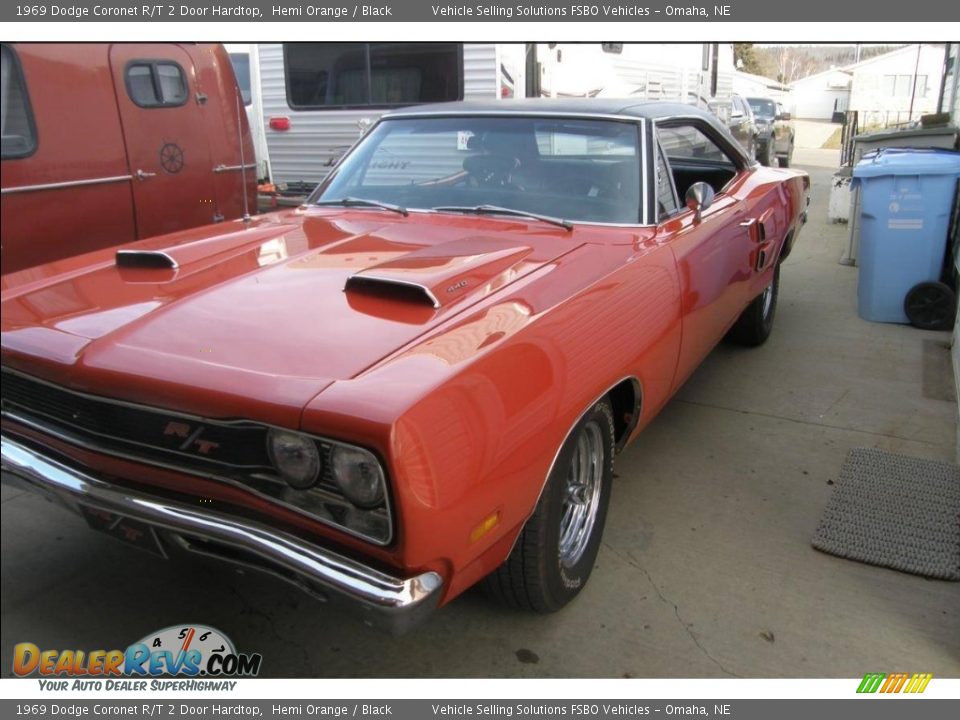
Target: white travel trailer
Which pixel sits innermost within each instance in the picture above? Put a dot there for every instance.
(318, 98)
(695, 73)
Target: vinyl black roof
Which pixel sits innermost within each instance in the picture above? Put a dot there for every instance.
(652, 109)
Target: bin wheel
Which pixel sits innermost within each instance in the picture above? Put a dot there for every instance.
(930, 306)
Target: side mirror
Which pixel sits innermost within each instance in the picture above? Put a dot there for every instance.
(783, 116)
(698, 198)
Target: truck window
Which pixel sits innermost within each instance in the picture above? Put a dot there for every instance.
(331, 75)
(241, 68)
(156, 83)
(19, 135)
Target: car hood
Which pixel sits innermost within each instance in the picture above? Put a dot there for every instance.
(273, 311)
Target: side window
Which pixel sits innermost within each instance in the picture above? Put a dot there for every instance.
(667, 203)
(686, 142)
(241, 68)
(156, 83)
(19, 135)
(693, 156)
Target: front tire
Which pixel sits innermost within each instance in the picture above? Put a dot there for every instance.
(788, 158)
(755, 324)
(766, 153)
(555, 553)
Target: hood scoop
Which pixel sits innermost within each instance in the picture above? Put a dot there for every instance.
(145, 260)
(192, 253)
(441, 275)
(392, 289)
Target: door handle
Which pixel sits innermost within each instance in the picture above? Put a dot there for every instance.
(141, 175)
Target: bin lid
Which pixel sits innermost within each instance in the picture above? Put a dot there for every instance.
(908, 161)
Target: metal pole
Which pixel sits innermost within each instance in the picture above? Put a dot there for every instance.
(243, 162)
(913, 94)
(943, 76)
(956, 81)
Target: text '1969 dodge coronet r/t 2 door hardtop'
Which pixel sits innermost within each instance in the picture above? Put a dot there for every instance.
(417, 380)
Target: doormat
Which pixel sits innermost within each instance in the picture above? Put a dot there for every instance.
(895, 511)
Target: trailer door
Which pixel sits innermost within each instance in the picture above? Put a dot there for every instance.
(165, 137)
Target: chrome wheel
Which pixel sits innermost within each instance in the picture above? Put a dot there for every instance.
(555, 553)
(581, 498)
(767, 301)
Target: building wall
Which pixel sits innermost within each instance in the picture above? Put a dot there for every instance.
(883, 87)
(817, 102)
(951, 91)
(817, 97)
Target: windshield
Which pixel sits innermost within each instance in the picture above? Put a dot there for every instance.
(763, 108)
(578, 170)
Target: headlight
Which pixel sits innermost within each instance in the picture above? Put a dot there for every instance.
(295, 457)
(359, 475)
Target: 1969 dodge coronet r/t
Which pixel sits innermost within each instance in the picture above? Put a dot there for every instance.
(419, 379)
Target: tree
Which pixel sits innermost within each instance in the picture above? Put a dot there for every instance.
(746, 59)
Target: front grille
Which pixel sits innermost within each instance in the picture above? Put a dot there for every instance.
(151, 433)
(235, 451)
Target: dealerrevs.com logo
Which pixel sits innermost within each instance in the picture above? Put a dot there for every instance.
(188, 650)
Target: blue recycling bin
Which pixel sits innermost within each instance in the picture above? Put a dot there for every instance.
(905, 209)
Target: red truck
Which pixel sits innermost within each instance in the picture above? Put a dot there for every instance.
(107, 143)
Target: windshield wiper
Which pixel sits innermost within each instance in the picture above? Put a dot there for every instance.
(362, 202)
(497, 210)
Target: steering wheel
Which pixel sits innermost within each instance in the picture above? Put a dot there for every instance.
(492, 170)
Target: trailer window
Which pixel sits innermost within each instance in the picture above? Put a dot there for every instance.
(156, 83)
(19, 136)
(338, 75)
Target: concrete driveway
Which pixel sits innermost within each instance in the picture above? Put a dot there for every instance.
(706, 568)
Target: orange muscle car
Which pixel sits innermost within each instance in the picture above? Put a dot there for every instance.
(419, 379)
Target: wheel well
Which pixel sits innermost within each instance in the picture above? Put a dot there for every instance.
(787, 246)
(625, 401)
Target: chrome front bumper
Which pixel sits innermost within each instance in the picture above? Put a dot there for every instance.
(383, 601)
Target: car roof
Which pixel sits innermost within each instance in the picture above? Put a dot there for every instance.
(650, 109)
